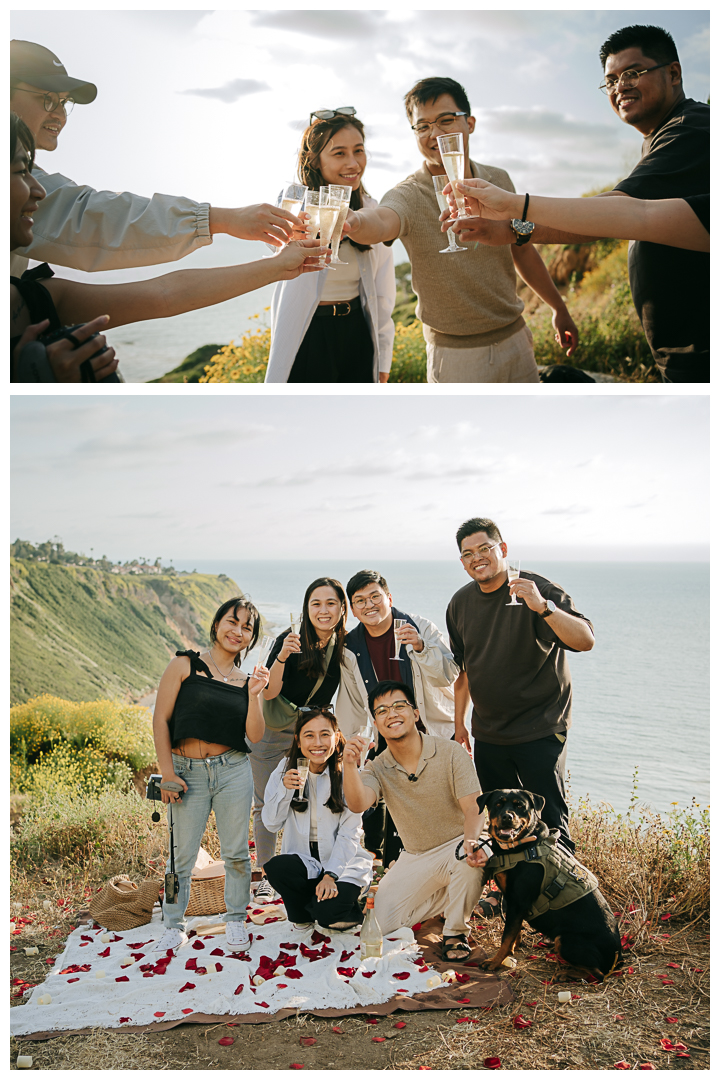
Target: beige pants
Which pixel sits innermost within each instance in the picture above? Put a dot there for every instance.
(508, 361)
(420, 886)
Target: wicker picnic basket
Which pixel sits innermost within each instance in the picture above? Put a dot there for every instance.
(123, 905)
(207, 891)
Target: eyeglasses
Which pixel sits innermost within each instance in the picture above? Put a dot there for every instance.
(361, 604)
(627, 78)
(327, 114)
(383, 710)
(446, 122)
(484, 550)
(316, 708)
(51, 102)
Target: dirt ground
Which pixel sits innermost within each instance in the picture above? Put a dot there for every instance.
(662, 993)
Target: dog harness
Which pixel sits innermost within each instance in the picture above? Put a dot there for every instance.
(565, 880)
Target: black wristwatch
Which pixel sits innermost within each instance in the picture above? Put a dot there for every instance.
(329, 873)
(523, 229)
(549, 609)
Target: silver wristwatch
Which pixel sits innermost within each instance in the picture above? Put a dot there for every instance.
(522, 228)
(549, 609)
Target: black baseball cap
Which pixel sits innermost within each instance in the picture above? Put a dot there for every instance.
(34, 64)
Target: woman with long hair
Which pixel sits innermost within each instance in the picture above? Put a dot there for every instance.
(41, 302)
(304, 671)
(337, 328)
(323, 867)
(207, 710)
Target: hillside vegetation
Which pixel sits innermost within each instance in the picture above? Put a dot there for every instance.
(81, 633)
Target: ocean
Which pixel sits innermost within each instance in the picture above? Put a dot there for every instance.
(640, 697)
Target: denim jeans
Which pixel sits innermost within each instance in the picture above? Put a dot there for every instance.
(224, 784)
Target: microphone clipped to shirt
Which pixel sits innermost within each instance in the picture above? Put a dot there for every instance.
(412, 777)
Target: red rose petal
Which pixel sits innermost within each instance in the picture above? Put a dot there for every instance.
(378, 1038)
(424, 1068)
(73, 980)
(227, 1040)
(217, 952)
(367, 974)
(664, 918)
(646, 1065)
(464, 1020)
(671, 1019)
(187, 986)
(371, 1020)
(682, 1055)
(297, 1066)
(621, 1065)
(120, 978)
(187, 1010)
(338, 1031)
(159, 1014)
(198, 944)
(282, 986)
(263, 1004)
(520, 1023)
(492, 1063)
(416, 927)
(400, 1024)
(307, 1041)
(463, 1001)
(125, 1019)
(402, 975)
(105, 952)
(673, 965)
(402, 991)
(239, 989)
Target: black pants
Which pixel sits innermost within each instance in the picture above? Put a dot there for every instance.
(537, 766)
(288, 875)
(335, 349)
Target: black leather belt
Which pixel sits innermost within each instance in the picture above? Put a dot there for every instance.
(341, 307)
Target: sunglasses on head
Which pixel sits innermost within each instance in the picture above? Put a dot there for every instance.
(328, 114)
(316, 708)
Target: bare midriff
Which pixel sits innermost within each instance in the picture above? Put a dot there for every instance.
(197, 748)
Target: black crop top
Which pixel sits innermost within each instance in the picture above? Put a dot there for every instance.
(208, 709)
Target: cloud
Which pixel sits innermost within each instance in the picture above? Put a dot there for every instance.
(571, 511)
(538, 122)
(231, 91)
(343, 25)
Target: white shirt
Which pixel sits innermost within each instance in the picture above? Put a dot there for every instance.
(294, 303)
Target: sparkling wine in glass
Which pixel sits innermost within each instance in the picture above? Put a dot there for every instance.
(303, 767)
(440, 182)
(341, 193)
(291, 198)
(294, 623)
(452, 152)
(513, 574)
(397, 623)
(322, 220)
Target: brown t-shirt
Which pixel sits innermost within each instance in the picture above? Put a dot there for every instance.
(426, 811)
(516, 665)
(381, 649)
(469, 300)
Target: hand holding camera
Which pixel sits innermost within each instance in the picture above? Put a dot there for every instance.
(80, 353)
(172, 789)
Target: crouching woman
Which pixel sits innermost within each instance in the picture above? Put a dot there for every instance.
(322, 868)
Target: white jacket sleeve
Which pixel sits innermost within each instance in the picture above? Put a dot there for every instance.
(107, 230)
(386, 286)
(347, 843)
(277, 800)
(351, 708)
(436, 659)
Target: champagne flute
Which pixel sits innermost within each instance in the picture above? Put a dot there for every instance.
(513, 574)
(303, 767)
(321, 216)
(292, 197)
(265, 649)
(294, 623)
(440, 182)
(397, 623)
(342, 193)
(452, 152)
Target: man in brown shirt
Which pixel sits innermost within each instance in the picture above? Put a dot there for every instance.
(431, 790)
(513, 664)
(469, 307)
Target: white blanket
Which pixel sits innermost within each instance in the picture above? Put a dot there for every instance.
(130, 995)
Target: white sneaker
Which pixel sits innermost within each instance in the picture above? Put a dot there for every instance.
(303, 925)
(264, 893)
(171, 939)
(237, 936)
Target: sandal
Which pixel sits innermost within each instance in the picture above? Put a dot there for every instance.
(489, 910)
(455, 943)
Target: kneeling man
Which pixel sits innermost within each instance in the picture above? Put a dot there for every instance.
(431, 789)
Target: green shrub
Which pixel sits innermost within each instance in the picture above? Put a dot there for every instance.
(83, 744)
(105, 826)
(409, 354)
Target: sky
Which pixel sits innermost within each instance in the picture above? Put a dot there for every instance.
(256, 476)
(211, 104)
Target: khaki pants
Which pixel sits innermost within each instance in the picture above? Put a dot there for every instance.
(508, 361)
(420, 886)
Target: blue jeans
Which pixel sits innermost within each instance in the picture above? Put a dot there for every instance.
(224, 784)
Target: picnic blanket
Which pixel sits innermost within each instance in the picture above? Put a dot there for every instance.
(115, 980)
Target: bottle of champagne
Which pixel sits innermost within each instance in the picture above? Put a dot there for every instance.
(371, 940)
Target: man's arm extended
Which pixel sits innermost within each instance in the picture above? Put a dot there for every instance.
(474, 822)
(358, 796)
(534, 273)
(372, 225)
(496, 233)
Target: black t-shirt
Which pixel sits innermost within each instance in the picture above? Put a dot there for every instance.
(516, 666)
(700, 204)
(297, 685)
(671, 286)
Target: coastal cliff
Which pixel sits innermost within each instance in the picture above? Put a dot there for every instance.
(82, 633)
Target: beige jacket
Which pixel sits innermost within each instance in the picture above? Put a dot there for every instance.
(110, 230)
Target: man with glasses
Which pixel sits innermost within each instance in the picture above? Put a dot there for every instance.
(469, 307)
(107, 230)
(670, 286)
(425, 663)
(514, 667)
(431, 790)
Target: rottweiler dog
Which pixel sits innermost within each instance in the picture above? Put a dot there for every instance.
(585, 932)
